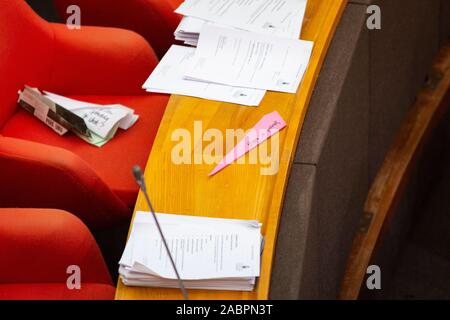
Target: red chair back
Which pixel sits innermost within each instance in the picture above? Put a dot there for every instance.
(153, 19)
(26, 52)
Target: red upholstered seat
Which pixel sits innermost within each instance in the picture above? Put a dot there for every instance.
(51, 291)
(39, 169)
(155, 20)
(37, 247)
(113, 161)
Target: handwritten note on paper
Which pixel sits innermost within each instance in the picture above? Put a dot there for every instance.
(263, 130)
(103, 120)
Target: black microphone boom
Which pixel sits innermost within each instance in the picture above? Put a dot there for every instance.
(139, 177)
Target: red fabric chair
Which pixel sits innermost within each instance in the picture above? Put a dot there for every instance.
(155, 20)
(40, 169)
(37, 247)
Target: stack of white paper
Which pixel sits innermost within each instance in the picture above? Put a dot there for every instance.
(169, 77)
(189, 29)
(243, 49)
(210, 253)
(274, 17)
(103, 121)
(250, 60)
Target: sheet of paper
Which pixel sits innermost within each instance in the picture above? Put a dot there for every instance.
(282, 18)
(100, 119)
(190, 26)
(244, 59)
(202, 248)
(168, 77)
(189, 30)
(146, 217)
(263, 130)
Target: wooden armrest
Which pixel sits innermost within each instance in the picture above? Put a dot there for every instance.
(389, 183)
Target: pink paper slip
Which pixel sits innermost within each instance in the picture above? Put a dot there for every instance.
(263, 130)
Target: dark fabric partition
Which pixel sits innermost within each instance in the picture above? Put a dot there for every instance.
(334, 143)
(367, 84)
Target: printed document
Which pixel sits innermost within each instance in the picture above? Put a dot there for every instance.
(208, 252)
(100, 119)
(168, 77)
(245, 59)
(282, 18)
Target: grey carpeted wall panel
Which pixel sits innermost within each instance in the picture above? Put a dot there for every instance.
(337, 128)
(327, 92)
(298, 228)
(400, 55)
(342, 182)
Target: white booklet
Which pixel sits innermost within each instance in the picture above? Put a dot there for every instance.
(245, 59)
(168, 77)
(275, 17)
(209, 253)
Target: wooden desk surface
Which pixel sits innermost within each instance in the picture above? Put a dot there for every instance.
(239, 191)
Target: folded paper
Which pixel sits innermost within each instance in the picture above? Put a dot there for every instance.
(269, 125)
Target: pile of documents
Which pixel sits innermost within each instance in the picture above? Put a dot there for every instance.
(96, 124)
(271, 17)
(210, 253)
(188, 30)
(243, 48)
(169, 77)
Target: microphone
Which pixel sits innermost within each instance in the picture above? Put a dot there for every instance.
(139, 177)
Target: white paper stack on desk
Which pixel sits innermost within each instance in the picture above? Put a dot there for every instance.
(273, 17)
(210, 253)
(243, 49)
(250, 60)
(189, 30)
(169, 77)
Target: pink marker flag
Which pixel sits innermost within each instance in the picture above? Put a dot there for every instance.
(263, 130)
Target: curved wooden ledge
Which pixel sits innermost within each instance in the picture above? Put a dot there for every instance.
(240, 191)
(389, 183)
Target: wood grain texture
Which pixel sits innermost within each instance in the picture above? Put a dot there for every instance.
(389, 183)
(239, 191)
